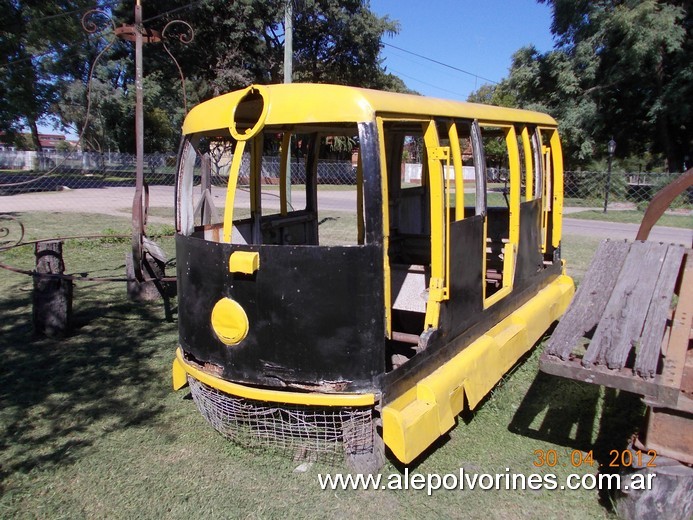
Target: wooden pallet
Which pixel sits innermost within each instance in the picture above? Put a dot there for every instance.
(625, 330)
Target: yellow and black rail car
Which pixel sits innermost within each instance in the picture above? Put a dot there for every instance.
(331, 318)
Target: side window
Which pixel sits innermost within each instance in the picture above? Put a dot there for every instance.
(254, 199)
(413, 161)
(547, 163)
(497, 166)
(538, 160)
(339, 196)
(204, 175)
(464, 188)
(408, 180)
(270, 174)
(551, 190)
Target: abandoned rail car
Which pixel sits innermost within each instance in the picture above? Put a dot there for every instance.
(332, 318)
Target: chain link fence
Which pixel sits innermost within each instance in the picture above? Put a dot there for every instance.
(628, 190)
(25, 172)
(89, 195)
(40, 190)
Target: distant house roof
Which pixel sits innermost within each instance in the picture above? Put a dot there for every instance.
(50, 140)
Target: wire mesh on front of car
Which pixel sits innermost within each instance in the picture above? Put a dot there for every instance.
(304, 432)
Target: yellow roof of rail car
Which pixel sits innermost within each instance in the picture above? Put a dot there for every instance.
(321, 103)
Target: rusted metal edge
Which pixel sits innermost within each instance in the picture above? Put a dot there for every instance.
(661, 201)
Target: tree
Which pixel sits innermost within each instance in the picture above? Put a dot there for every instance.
(39, 43)
(242, 42)
(620, 69)
(51, 59)
(339, 42)
(499, 95)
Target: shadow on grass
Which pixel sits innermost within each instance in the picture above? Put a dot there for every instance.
(578, 415)
(59, 397)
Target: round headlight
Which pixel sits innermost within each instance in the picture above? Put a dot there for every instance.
(229, 321)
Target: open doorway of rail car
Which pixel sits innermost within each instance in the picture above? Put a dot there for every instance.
(435, 225)
(502, 193)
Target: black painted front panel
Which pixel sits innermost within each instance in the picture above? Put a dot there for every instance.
(316, 313)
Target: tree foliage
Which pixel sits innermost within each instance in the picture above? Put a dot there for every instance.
(242, 42)
(42, 45)
(620, 69)
(236, 43)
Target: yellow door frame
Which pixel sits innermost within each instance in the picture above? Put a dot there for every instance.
(511, 247)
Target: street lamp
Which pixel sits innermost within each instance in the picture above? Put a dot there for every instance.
(611, 148)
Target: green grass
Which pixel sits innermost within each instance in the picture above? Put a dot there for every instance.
(635, 217)
(578, 251)
(91, 428)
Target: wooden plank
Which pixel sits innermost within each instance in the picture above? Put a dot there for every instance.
(654, 390)
(590, 299)
(626, 310)
(656, 320)
(622, 379)
(675, 361)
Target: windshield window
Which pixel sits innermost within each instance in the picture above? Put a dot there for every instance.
(285, 186)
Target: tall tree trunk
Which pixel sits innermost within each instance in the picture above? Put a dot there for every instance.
(35, 135)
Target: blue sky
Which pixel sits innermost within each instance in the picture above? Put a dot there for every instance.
(477, 36)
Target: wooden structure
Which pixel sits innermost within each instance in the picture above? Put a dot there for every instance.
(629, 328)
(52, 295)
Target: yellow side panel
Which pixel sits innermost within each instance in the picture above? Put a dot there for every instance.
(418, 417)
(557, 190)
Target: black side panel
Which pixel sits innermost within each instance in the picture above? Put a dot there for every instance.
(441, 349)
(529, 260)
(466, 256)
(316, 313)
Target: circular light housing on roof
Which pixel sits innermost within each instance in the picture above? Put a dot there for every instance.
(249, 114)
(229, 321)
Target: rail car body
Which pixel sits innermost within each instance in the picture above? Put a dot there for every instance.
(336, 317)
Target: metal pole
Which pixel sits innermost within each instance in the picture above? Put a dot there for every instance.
(608, 185)
(288, 71)
(288, 41)
(137, 213)
(139, 97)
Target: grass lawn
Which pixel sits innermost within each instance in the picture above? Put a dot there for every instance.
(634, 217)
(91, 428)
